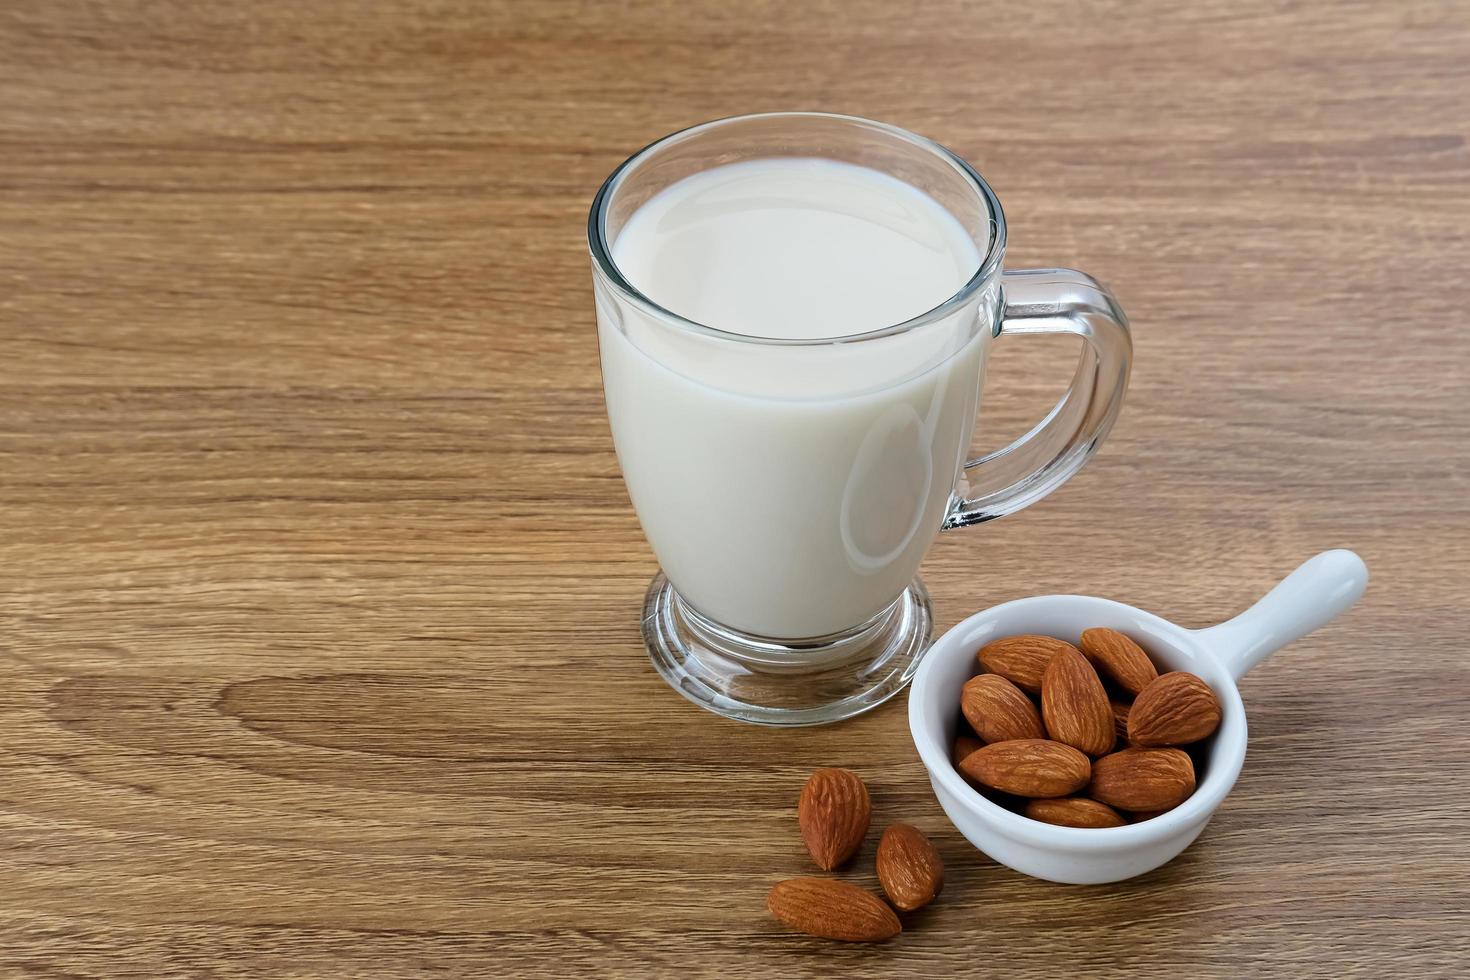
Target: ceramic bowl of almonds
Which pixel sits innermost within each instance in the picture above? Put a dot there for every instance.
(1083, 740)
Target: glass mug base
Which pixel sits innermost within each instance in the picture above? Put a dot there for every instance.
(785, 682)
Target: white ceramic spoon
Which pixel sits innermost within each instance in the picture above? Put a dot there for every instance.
(1309, 597)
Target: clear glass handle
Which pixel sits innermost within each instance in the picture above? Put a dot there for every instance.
(1052, 301)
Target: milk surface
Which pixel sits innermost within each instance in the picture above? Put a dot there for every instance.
(795, 248)
(792, 491)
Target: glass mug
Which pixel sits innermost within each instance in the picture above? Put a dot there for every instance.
(790, 487)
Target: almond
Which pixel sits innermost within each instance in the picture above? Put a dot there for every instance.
(964, 744)
(1118, 658)
(1176, 709)
(833, 813)
(1139, 816)
(833, 909)
(1075, 705)
(1073, 811)
(909, 868)
(1141, 779)
(1022, 659)
(1120, 711)
(1031, 767)
(999, 710)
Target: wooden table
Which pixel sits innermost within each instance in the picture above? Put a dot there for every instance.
(319, 587)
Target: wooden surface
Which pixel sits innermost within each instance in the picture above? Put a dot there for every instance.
(319, 651)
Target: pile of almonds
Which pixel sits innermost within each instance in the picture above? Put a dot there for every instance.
(834, 812)
(1089, 737)
(1081, 737)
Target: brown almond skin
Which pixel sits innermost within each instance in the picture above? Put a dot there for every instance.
(1030, 767)
(833, 909)
(964, 744)
(1176, 709)
(1142, 815)
(1118, 658)
(1075, 705)
(1022, 659)
(1074, 811)
(833, 812)
(999, 710)
(1142, 779)
(1120, 711)
(909, 869)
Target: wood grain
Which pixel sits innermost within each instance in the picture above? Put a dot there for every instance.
(319, 586)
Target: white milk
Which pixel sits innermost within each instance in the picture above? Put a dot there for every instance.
(792, 491)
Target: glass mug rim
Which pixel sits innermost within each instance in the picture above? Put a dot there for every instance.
(601, 248)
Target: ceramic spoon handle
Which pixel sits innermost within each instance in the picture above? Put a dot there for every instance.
(1317, 592)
